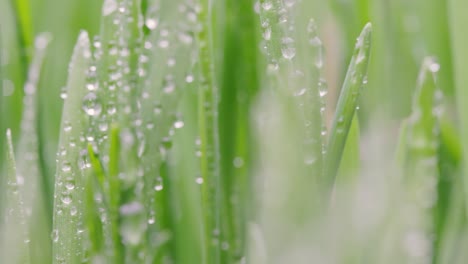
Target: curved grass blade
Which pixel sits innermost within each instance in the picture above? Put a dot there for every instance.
(420, 163)
(24, 31)
(67, 222)
(458, 21)
(347, 103)
(14, 242)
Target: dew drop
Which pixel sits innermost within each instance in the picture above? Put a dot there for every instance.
(109, 7)
(73, 211)
(159, 185)
(67, 127)
(55, 235)
(63, 94)
(288, 51)
(66, 200)
(189, 78)
(300, 92)
(66, 167)
(163, 43)
(199, 180)
(179, 124)
(267, 34)
(70, 186)
(267, 6)
(238, 162)
(434, 67)
(90, 105)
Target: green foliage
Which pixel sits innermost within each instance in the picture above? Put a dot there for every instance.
(196, 131)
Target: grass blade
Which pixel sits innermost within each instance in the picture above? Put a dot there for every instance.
(239, 83)
(3, 109)
(347, 103)
(420, 163)
(24, 31)
(350, 162)
(185, 185)
(458, 19)
(37, 193)
(114, 196)
(14, 243)
(210, 170)
(66, 238)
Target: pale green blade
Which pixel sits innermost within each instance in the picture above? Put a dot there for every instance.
(420, 142)
(66, 235)
(36, 189)
(15, 241)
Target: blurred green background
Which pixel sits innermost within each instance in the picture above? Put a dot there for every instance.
(405, 32)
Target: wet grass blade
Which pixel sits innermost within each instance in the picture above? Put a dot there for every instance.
(210, 170)
(66, 237)
(185, 185)
(347, 103)
(14, 242)
(37, 193)
(458, 19)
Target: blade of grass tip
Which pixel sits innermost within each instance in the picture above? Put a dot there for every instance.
(208, 136)
(347, 103)
(114, 194)
(67, 221)
(24, 32)
(94, 186)
(36, 188)
(14, 243)
(97, 166)
(458, 20)
(420, 164)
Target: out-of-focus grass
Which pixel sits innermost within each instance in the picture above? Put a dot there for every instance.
(195, 131)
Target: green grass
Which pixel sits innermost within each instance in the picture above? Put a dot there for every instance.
(230, 132)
